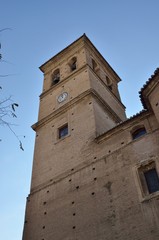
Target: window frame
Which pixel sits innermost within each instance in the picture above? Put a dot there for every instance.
(143, 189)
(135, 133)
(62, 128)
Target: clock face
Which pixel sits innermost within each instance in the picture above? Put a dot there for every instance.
(62, 97)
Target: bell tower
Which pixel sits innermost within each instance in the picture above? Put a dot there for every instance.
(80, 100)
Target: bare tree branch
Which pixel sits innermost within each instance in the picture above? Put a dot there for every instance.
(7, 106)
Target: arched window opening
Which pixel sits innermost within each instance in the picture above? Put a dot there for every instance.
(109, 83)
(73, 64)
(139, 132)
(94, 65)
(56, 77)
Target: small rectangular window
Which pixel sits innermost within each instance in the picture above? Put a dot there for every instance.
(138, 133)
(63, 131)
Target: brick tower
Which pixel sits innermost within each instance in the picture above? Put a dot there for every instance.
(81, 179)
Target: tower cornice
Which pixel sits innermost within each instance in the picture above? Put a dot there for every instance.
(69, 104)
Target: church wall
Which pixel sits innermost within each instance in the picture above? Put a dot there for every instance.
(99, 199)
(89, 183)
(53, 156)
(154, 101)
(107, 96)
(63, 64)
(103, 120)
(103, 71)
(74, 86)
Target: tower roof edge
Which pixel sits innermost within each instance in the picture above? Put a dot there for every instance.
(85, 39)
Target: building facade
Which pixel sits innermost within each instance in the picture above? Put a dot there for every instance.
(95, 172)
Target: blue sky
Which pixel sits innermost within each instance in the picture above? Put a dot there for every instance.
(125, 32)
